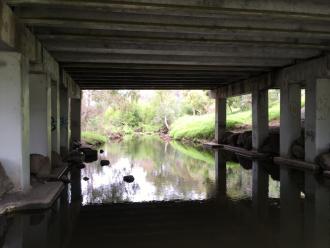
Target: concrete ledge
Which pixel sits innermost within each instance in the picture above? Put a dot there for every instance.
(297, 164)
(249, 154)
(56, 173)
(41, 196)
(212, 145)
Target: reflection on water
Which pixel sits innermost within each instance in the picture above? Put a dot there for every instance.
(162, 171)
(234, 205)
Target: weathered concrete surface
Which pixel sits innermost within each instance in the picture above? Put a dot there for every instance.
(14, 118)
(290, 128)
(75, 120)
(41, 196)
(55, 116)
(220, 118)
(40, 115)
(5, 184)
(40, 165)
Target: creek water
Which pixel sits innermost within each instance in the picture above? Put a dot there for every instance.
(182, 196)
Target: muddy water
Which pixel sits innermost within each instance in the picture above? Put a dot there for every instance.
(182, 196)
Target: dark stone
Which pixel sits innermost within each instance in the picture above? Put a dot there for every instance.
(224, 138)
(40, 165)
(271, 144)
(85, 178)
(90, 154)
(323, 160)
(101, 151)
(81, 166)
(128, 179)
(244, 162)
(6, 184)
(75, 157)
(105, 162)
(232, 139)
(298, 148)
(245, 140)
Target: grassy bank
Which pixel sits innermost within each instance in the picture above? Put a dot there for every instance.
(202, 126)
(93, 138)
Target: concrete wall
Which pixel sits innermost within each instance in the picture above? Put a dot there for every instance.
(14, 118)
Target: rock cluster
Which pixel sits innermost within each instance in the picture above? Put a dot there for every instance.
(40, 166)
(243, 140)
(6, 184)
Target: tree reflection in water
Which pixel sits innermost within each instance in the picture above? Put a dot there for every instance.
(162, 172)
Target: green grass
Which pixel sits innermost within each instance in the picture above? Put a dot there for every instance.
(94, 139)
(202, 126)
(194, 153)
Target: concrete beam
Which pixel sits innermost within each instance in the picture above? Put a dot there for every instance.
(169, 59)
(14, 36)
(305, 8)
(98, 45)
(14, 114)
(246, 86)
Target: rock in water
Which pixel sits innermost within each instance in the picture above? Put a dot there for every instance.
(40, 165)
(5, 184)
(105, 162)
(85, 178)
(128, 179)
(90, 154)
(101, 151)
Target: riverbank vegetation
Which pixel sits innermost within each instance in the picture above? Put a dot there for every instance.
(94, 139)
(180, 115)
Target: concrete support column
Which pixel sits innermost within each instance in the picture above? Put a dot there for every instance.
(40, 114)
(14, 118)
(221, 175)
(260, 177)
(290, 130)
(75, 120)
(56, 132)
(317, 140)
(64, 120)
(317, 131)
(220, 117)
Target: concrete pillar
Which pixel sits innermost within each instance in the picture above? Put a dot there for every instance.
(220, 117)
(317, 140)
(14, 118)
(221, 175)
(317, 131)
(55, 105)
(40, 114)
(75, 120)
(64, 120)
(260, 177)
(290, 128)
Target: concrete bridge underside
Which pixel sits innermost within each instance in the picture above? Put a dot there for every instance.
(50, 50)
